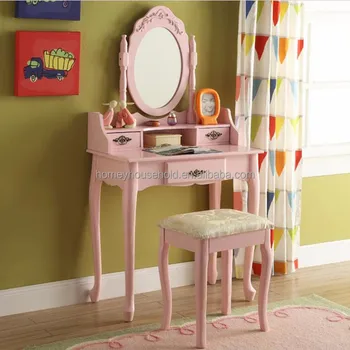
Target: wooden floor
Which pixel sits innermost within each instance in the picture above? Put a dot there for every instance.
(42, 327)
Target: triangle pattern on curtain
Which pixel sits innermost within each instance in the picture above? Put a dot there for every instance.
(256, 86)
(300, 46)
(276, 11)
(256, 122)
(284, 9)
(283, 47)
(279, 83)
(275, 44)
(260, 8)
(279, 125)
(272, 126)
(269, 104)
(249, 5)
(273, 83)
(278, 233)
(270, 197)
(249, 41)
(260, 43)
(261, 158)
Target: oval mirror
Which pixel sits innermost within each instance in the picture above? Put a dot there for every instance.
(158, 68)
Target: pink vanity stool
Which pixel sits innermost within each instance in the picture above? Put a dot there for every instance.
(211, 231)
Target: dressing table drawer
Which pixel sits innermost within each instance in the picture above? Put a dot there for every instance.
(213, 136)
(197, 170)
(124, 140)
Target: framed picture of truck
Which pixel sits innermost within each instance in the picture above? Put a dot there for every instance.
(53, 9)
(47, 63)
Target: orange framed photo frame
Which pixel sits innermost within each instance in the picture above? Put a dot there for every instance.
(207, 106)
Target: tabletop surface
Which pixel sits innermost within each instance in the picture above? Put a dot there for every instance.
(138, 155)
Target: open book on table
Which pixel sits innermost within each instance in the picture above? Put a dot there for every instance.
(179, 150)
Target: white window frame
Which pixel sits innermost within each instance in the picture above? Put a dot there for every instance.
(329, 159)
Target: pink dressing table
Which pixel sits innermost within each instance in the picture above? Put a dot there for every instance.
(120, 151)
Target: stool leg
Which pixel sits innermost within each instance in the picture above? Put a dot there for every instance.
(213, 269)
(226, 281)
(163, 266)
(253, 208)
(249, 291)
(201, 267)
(266, 269)
(214, 203)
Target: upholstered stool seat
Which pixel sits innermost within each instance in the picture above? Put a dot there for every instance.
(206, 232)
(215, 223)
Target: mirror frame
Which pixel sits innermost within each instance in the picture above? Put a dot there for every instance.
(159, 16)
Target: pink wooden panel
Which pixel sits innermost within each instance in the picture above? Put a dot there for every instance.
(191, 117)
(238, 167)
(225, 117)
(179, 171)
(123, 64)
(189, 137)
(141, 121)
(241, 240)
(107, 170)
(236, 241)
(97, 140)
(237, 201)
(180, 240)
(214, 136)
(151, 174)
(228, 152)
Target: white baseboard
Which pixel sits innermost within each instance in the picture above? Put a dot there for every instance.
(63, 293)
(324, 253)
(70, 292)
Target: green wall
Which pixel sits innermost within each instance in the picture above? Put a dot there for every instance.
(44, 231)
(325, 214)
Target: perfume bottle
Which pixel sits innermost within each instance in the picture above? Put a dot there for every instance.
(172, 120)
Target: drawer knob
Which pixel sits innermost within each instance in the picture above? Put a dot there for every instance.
(213, 135)
(122, 140)
(197, 173)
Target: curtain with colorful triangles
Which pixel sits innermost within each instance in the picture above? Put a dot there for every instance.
(269, 106)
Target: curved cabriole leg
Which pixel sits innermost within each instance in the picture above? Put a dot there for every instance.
(266, 270)
(226, 281)
(201, 267)
(249, 291)
(129, 214)
(163, 266)
(94, 204)
(214, 203)
(253, 208)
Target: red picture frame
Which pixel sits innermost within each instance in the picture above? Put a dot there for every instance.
(47, 63)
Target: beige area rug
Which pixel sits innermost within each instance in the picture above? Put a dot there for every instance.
(305, 323)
